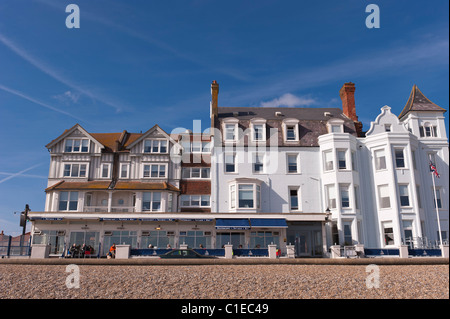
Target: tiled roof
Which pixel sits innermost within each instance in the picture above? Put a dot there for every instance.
(108, 185)
(419, 102)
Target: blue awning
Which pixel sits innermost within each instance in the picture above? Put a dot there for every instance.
(232, 224)
(268, 223)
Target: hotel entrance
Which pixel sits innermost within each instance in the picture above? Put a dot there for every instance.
(306, 237)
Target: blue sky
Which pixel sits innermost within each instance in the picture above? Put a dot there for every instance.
(136, 63)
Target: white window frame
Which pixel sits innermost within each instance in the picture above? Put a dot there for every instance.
(297, 189)
(402, 149)
(253, 124)
(225, 163)
(290, 123)
(388, 225)
(158, 171)
(330, 192)
(262, 162)
(102, 169)
(230, 125)
(122, 165)
(377, 159)
(383, 189)
(190, 171)
(297, 161)
(86, 175)
(338, 159)
(345, 188)
(152, 195)
(256, 195)
(193, 199)
(401, 187)
(156, 142)
(80, 146)
(328, 154)
(69, 194)
(335, 125)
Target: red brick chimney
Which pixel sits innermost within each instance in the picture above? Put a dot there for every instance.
(347, 93)
(214, 103)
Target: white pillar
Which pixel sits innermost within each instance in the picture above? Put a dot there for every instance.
(403, 251)
(290, 251)
(228, 251)
(109, 201)
(272, 251)
(444, 250)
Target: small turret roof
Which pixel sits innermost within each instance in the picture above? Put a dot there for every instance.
(419, 102)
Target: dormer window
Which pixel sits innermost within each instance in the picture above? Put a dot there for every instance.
(76, 145)
(230, 132)
(258, 129)
(230, 129)
(290, 133)
(290, 130)
(335, 125)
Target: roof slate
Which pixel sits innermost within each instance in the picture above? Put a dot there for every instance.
(417, 101)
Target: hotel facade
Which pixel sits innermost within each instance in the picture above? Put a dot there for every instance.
(306, 178)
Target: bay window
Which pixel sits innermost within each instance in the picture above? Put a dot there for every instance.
(68, 201)
(245, 195)
(151, 201)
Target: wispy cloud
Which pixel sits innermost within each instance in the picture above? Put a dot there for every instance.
(50, 71)
(144, 37)
(33, 100)
(289, 100)
(19, 173)
(67, 97)
(24, 175)
(430, 53)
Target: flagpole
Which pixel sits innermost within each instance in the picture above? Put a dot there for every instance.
(437, 208)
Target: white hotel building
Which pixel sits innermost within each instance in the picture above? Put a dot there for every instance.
(307, 177)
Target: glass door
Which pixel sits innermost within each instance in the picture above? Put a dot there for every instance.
(303, 243)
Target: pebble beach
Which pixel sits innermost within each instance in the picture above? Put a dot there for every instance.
(224, 282)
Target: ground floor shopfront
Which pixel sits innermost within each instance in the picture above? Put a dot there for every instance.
(161, 233)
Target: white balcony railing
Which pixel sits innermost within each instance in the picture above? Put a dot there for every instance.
(104, 209)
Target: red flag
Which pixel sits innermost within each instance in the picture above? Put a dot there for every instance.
(434, 170)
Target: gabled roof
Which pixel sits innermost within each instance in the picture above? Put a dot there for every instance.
(70, 131)
(419, 102)
(144, 135)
